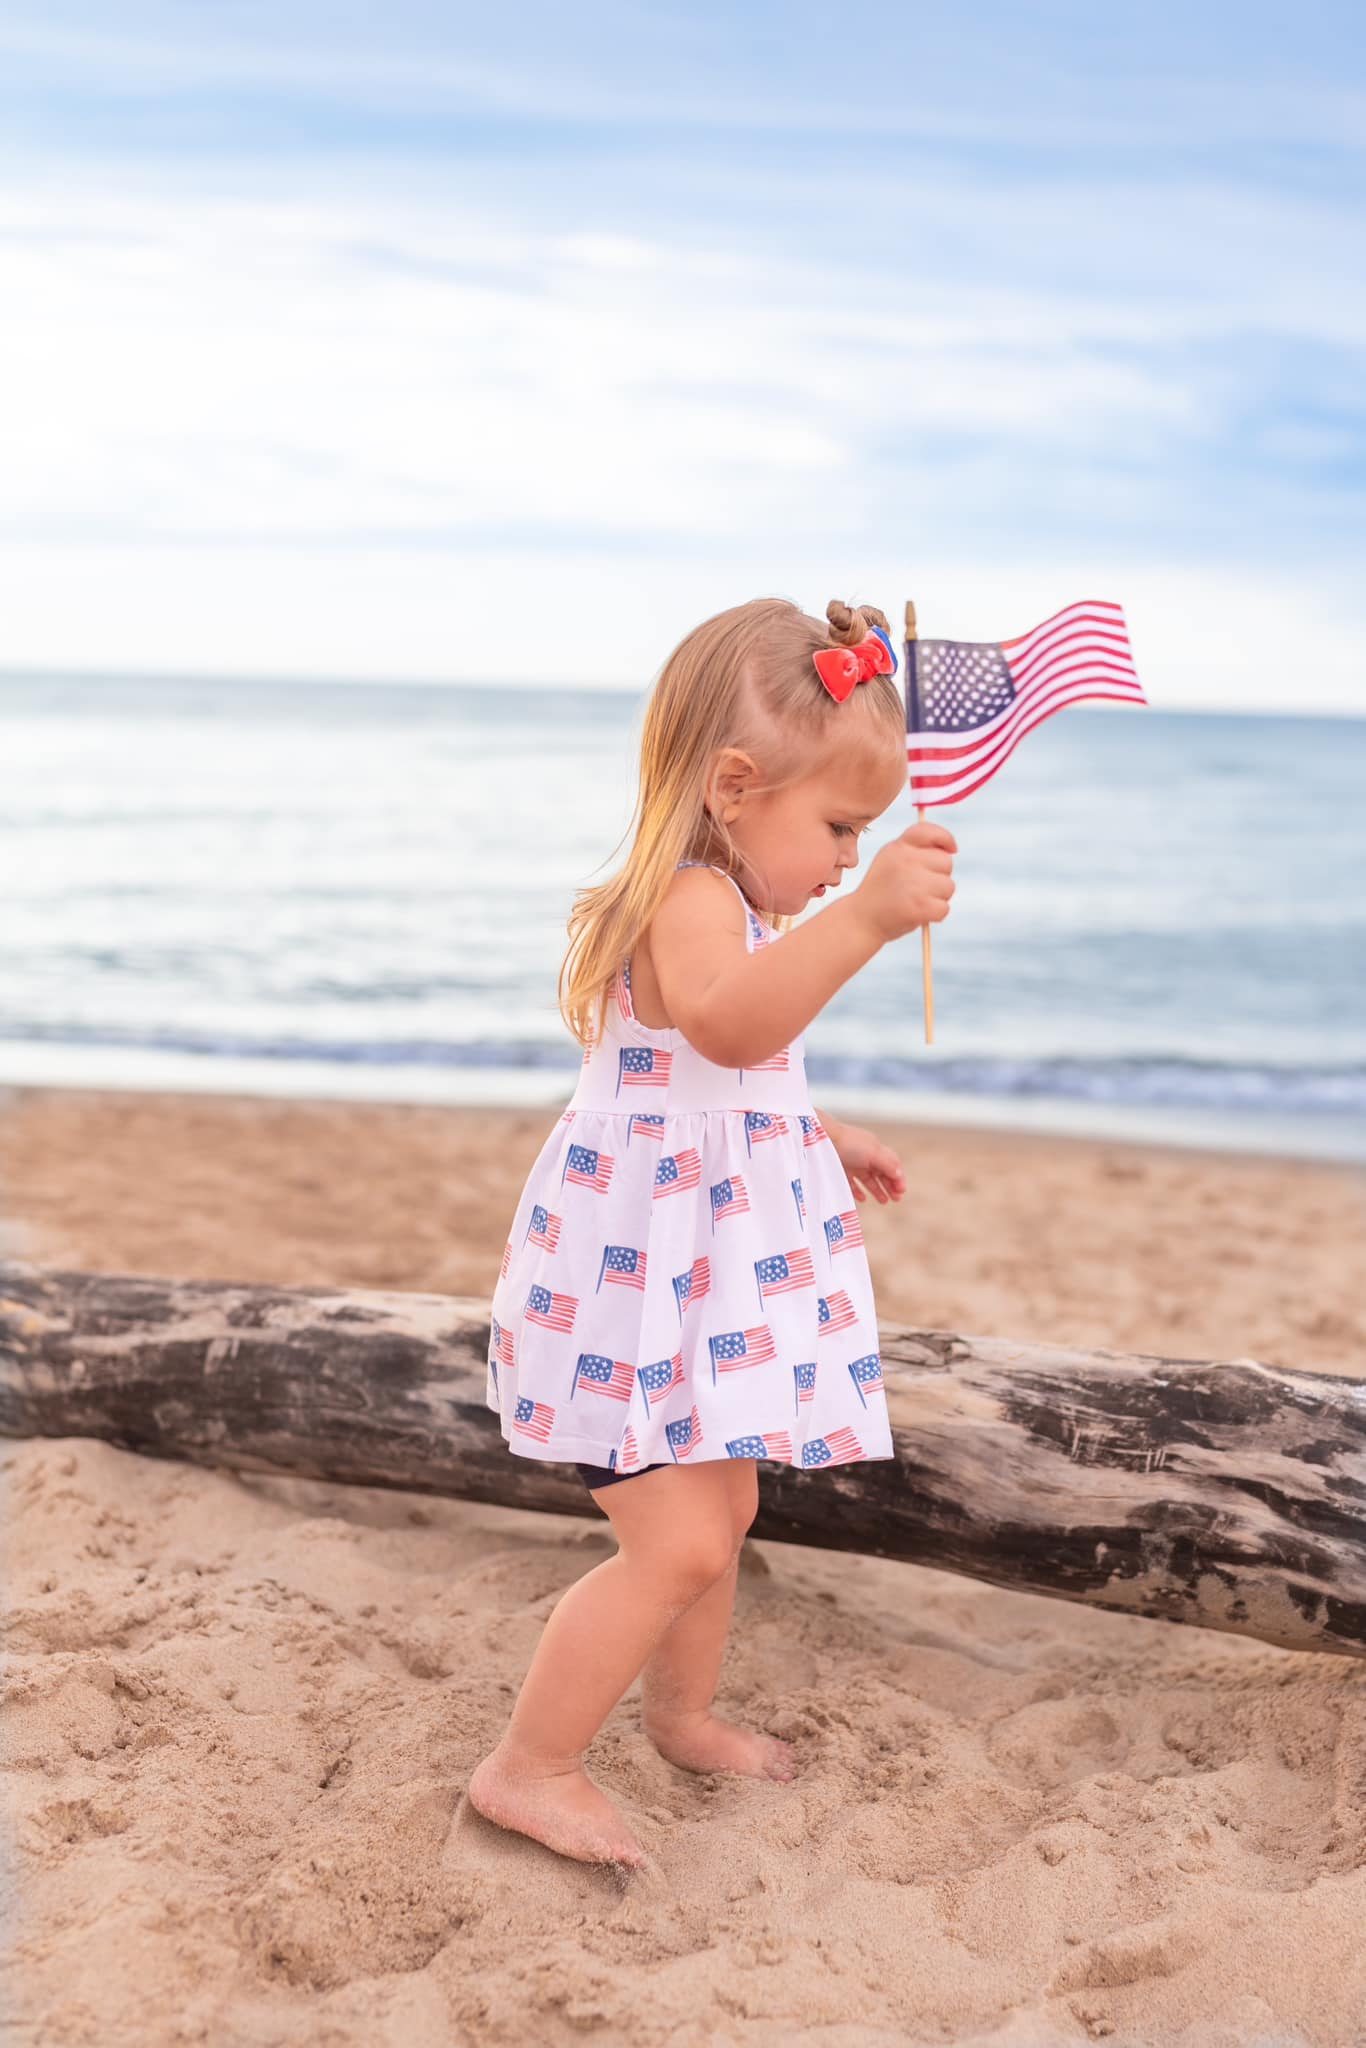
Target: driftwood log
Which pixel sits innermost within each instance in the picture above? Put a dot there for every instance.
(1226, 1493)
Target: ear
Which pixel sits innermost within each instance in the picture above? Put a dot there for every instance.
(733, 776)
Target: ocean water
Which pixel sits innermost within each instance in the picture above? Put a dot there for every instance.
(1159, 928)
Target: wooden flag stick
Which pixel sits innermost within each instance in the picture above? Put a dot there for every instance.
(926, 962)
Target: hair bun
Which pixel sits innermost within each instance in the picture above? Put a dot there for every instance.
(851, 623)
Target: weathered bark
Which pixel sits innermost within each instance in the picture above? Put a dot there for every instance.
(1225, 1493)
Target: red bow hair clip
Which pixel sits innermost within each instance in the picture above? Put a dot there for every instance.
(842, 668)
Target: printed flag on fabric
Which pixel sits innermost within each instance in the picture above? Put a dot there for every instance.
(684, 1436)
(776, 1063)
(835, 1312)
(694, 1285)
(778, 1444)
(760, 1126)
(640, 1066)
(645, 1124)
(622, 1266)
(655, 1381)
(805, 1378)
(552, 1311)
(628, 1457)
(729, 1197)
(733, 1350)
(598, 1375)
(533, 1418)
(970, 702)
(843, 1232)
(866, 1373)
(543, 1229)
(678, 1171)
(588, 1168)
(784, 1272)
(838, 1447)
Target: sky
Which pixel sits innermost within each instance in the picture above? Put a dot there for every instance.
(431, 343)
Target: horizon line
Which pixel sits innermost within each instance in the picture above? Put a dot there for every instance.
(11, 673)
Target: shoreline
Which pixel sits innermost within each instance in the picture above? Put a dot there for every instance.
(1328, 1139)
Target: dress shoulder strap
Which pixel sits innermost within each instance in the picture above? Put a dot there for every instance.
(757, 933)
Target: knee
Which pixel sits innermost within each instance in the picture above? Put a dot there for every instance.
(696, 1558)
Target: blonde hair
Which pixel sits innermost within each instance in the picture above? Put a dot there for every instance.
(742, 679)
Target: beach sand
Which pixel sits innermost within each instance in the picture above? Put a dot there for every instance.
(241, 1710)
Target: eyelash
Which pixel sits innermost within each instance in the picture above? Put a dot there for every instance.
(846, 828)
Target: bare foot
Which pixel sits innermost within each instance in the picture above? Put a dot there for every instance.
(557, 1805)
(704, 1742)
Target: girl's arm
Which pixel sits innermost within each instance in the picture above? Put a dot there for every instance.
(739, 1008)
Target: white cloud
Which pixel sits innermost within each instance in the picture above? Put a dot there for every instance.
(351, 435)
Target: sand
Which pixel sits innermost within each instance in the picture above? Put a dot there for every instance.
(241, 1710)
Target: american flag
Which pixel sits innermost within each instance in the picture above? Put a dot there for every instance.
(970, 702)
(805, 1377)
(621, 1267)
(568, 1117)
(760, 1126)
(500, 1341)
(813, 1130)
(777, 1063)
(839, 1447)
(761, 932)
(784, 1272)
(684, 1436)
(640, 1066)
(799, 1199)
(610, 1376)
(866, 1373)
(843, 1231)
(621, 988)
(692, 1286)
(533, 1418)
(677, 1171)
(543, 1229)
(551, 1311)
(645, 1125)
(628, 1455)
(728, 1198)
(657, 1380)
(834, 1313)
(777, 1445)
(507, 1260)
(733, 1350)
(588, 1169)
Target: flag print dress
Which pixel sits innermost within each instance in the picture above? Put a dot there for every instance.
(685, 1277)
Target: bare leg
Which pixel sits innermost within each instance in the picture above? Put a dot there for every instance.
(675, 1528)
(680, 1677)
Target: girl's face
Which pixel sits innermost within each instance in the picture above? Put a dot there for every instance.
(798, 841)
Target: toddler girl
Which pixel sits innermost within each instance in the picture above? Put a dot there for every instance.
(685, 1289)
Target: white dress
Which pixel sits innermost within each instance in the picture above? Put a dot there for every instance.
(685, 1276)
